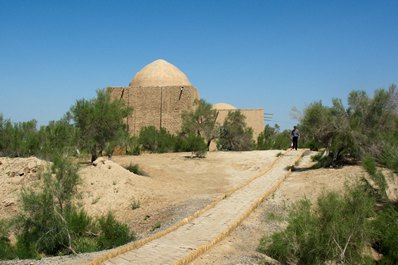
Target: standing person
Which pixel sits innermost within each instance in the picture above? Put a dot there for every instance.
(295, 136)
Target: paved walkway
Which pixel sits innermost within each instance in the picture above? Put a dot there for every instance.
(189, 241)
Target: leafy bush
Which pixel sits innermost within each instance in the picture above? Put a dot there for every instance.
(370, 166)
(18, 139)
(157, 141)
(386, 242)
(100, 122)
(201, 122)
(113, 233)
(57, 138)
(368, 126)
(51, 224)
(7, 251)
(195, 144)
(271, 138)
(135, 168)
(135, 204)
(44, 226)
(234, 135)
(336, 230)
(79, 222)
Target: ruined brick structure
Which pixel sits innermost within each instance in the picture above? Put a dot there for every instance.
(159, 93)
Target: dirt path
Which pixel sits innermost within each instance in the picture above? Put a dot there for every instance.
(270, 216)
(192, 239)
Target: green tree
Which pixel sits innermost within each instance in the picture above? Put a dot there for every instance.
(154, 140)
(337, 229)
(195, 144)
(43, 220)
(369, 126)
(7, 251)
(58, 138)
(273, 138)
(234, 135)
(18, 139)
(100, 122)
(201, 121)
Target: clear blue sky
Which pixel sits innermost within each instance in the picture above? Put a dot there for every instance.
(251, 54)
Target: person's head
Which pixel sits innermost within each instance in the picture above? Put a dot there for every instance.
(294, 127)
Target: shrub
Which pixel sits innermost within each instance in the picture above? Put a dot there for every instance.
(50, 224)
(135, 168)
(85, 244)
(370, 166)
(386, 242)
(18, 139)
(234, 135)
(195, 144)
(100, 122)
(157, 141)
(113, 233)
(201, 122)
(79, 222)
(156, 226)
(135, 204)
(368, 126)
(336, 230)
(272, 138)
(7, 251)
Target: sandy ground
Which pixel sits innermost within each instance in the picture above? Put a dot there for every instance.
(174, 187)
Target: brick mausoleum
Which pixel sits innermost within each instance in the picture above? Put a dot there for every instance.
(160, 92)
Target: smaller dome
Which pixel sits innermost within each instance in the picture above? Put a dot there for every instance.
(221, 106)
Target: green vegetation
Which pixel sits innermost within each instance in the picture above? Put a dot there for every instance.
(156, 226)
(135, 168)
(156, 141)
(337, 229)
(135, 204)
(100, 122)
(385, 224)
(113, 233)
(234, 135)
(201, 122)
(18, 139)
(51, 223)
(7, 251)
(368, 127)
(193, 143)
(273, 139)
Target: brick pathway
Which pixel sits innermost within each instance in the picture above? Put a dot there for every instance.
(189, 241)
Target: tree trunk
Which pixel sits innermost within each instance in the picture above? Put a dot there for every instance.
(94, 156)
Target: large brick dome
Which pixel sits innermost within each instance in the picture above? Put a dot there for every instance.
(160, 74)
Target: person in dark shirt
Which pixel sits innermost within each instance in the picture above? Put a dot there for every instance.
(295, 137)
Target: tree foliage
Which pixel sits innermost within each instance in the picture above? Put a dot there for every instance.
(234, 135)
(100, 122)
(43, 222)
(368, 126)
(58, 138)
(157, 141)
(201, 121)
(18, 139)
(195, 144)
(336, 230)
(51, 223)
(273, 138)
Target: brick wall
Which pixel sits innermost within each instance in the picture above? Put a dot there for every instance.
(156, 106)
